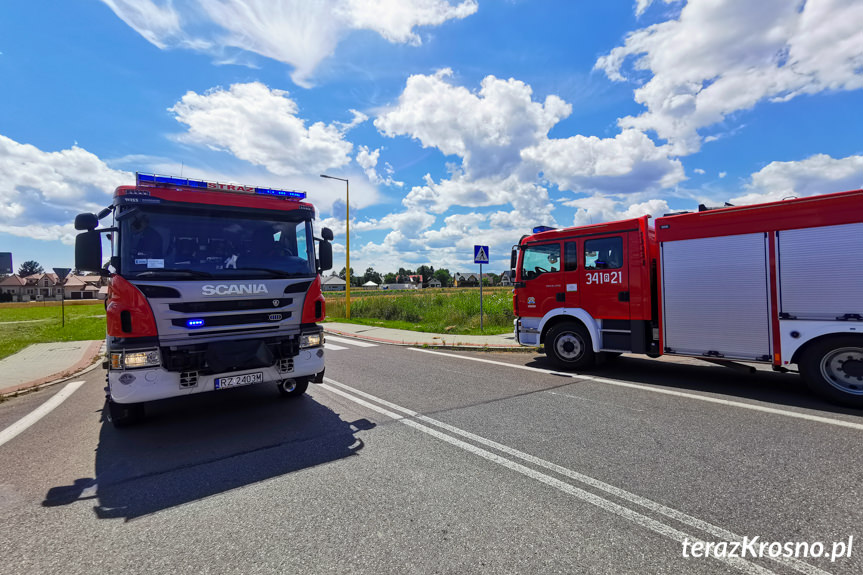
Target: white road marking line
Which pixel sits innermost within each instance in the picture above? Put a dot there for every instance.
(773, 410)
(611, 507)
(714, 530)
(356, 342)
(333, 347)
(40, 412)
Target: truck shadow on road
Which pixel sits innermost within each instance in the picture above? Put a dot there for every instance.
(196, 447)
(780, 389)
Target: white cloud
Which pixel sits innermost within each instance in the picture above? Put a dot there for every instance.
(598, 209)
(500, 133)
(699, 171)
(717, 58)
(818, 174)
(395, 20)
(300, 33)
(158, 23)
(722, 174)
(42, 192)
(486, 129)
(368, 161)
(260, 125)
(527, 198)
(627, 163)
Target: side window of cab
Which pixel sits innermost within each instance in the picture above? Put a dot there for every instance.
(539, 260)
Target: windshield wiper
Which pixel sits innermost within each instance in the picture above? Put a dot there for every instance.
(167, 272)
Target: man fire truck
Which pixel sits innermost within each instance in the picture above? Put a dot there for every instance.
(779, 283)
(212, 286)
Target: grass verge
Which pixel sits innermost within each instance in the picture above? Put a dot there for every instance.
(25, 325)
(433, 311)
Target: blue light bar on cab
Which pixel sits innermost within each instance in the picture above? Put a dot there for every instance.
(194, 323)
(283, 193)
(539, 229)
(152, 180)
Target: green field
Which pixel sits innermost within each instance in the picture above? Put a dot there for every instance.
(25, 324)
(431, 310)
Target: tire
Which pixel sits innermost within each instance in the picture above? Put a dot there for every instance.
(293, 387)
(833, 368)
(568, 346)
(124, 414)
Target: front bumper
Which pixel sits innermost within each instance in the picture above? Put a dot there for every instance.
(526, 333)
(150, 384)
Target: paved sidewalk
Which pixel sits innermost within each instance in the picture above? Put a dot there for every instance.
(405, 337)
(45, 362)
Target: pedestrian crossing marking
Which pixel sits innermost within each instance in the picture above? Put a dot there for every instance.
(356, 342)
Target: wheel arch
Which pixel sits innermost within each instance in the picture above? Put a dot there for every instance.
(575, 315)
(805, 346)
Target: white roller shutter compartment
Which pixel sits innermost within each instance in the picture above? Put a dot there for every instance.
(715, 297)
(821, 272)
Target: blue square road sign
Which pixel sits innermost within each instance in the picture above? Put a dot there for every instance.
(480, 254)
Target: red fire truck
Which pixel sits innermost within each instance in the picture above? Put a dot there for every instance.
(211, 286)
(778, 283)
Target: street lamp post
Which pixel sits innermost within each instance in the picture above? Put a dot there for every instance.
(347, 243)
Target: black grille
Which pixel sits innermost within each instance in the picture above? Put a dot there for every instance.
(230, 305)
(193, 358)
(220, 320)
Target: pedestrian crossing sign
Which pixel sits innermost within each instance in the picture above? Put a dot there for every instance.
(480, 254)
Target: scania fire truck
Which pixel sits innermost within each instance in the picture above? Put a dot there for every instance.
(779, 283)
(211, 286)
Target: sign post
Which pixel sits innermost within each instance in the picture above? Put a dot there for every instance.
(61, 276)
(480, 256)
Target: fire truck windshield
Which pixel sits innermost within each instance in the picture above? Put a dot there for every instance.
(155, 243)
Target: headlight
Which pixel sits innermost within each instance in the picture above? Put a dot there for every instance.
(310, 340)
(134, 359)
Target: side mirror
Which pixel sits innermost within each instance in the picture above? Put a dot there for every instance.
(327, 234)
(513, 259)
(86, 222)
(325, 255)
(88, 250)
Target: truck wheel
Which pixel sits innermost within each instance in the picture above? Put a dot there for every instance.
(293, 387)
(833, 368)
(568, 346)
(124, 414)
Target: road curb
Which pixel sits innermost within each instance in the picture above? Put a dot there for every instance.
(455, 347)
(88, 363)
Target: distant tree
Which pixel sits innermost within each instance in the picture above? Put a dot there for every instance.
(390, 278)
(493, 278)
(427, 272)
(444, 277)
(372, 276)
(343, 274)
(29, 268)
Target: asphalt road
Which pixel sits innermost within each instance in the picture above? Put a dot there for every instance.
(410, 461)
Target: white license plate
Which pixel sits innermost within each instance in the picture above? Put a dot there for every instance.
(237, 380)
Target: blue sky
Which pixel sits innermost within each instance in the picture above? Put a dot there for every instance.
(458, 122)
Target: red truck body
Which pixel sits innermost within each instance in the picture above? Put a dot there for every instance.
(778, 283)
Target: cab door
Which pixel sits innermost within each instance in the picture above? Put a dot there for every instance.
(542, 280)
(604, 276)
(571, 275)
